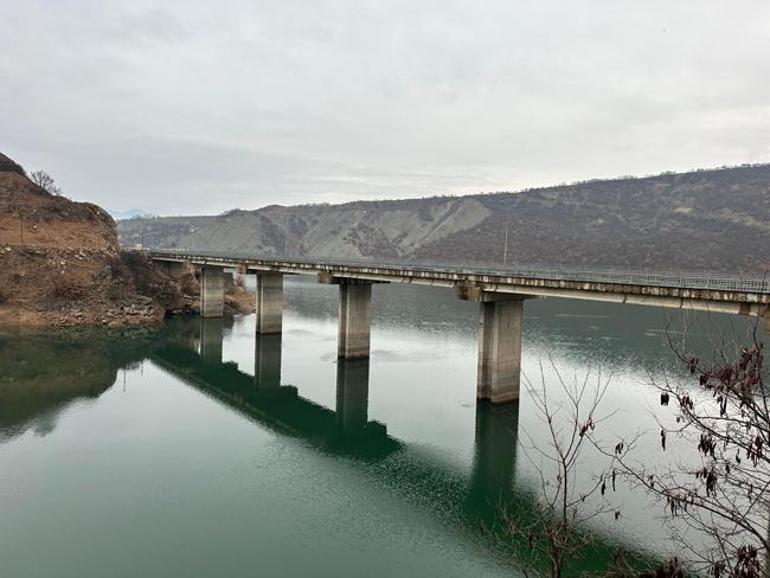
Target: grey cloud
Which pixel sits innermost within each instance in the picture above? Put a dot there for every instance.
(191, 106)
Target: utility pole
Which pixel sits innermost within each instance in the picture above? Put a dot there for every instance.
(193, 240)
(505, 246)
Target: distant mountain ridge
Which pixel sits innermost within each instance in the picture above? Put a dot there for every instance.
(128, 214)
(709, 219)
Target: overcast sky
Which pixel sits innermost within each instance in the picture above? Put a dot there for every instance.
(187, 107)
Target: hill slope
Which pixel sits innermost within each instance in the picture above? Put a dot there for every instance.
(61, 264)
(714, 219)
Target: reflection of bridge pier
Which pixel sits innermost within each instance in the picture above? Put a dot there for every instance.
(211, 340)
(267, 361)
(263, 398)
(352, 395)
(494, 460)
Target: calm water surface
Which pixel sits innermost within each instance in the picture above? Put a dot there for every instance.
(197, 450)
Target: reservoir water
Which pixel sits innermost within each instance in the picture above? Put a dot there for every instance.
(197, 450)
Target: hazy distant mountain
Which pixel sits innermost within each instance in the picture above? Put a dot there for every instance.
(128, 214)
(715, 219)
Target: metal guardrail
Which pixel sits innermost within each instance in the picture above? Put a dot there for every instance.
(738, 282)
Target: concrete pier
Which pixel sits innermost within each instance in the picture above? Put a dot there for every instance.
(355, 319)
(499, 362)
(267, 362)
(352, 395)
(269, 303)
(211, 341)
(212, 291)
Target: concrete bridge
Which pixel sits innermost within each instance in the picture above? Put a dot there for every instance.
(501, 294)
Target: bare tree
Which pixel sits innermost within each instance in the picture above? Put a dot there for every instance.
(565, 505)
(46, 182)
(722, 415)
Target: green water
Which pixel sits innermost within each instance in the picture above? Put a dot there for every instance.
(198, 450)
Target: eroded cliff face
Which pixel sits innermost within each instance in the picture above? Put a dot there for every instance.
(383, 229)
(61, 264)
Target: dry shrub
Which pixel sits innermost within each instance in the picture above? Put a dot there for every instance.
(140, 272)
(69, 290)
(189, 285)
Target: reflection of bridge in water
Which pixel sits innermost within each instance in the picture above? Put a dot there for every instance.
(195, 357)
(262, 398)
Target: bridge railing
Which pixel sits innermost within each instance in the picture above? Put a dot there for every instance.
(701, 280)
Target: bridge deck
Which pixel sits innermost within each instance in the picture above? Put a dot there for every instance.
(742, 293)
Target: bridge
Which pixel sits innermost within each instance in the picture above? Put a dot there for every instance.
(501, 294)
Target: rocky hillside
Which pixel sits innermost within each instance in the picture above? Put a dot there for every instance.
(716, 219)
(30, 216)
(61, 264)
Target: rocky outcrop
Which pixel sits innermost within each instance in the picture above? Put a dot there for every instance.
(61, 264)
(8, 165)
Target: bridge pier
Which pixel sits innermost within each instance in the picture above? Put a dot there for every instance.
(269, 303)
(211, 341)
(499, 361)
(212, 291)
(355, 319)
(267, 361)
(352, 395)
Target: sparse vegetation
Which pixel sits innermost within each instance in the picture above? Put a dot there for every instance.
(46, 182)
(722, 414)
(566, 501)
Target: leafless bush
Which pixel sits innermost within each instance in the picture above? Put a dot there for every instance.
(722, 415)
(558, 532)
(46, 182)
